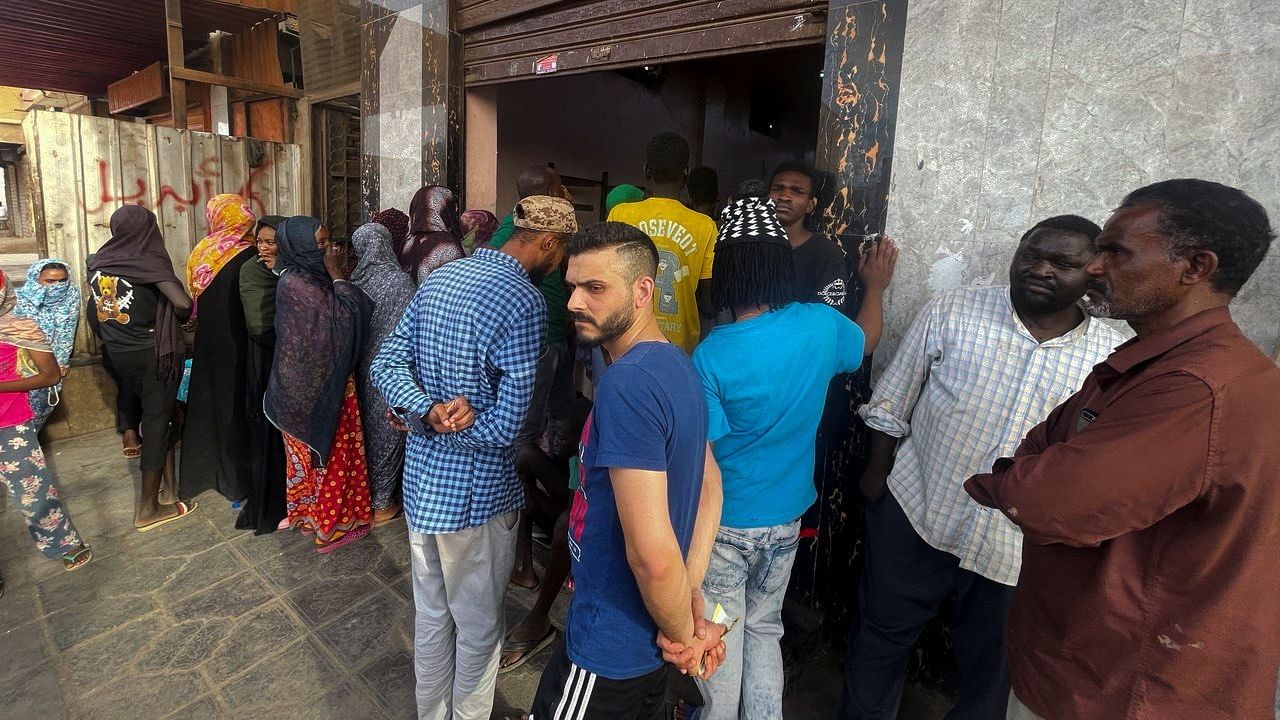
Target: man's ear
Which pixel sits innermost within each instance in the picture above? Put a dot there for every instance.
(813, 205)
(642, 291)
(1202, 264)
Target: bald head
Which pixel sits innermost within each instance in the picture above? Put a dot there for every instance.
(539, 180)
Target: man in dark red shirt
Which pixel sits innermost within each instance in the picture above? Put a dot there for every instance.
(1150, 500)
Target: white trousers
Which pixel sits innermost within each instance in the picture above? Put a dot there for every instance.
(459, 580)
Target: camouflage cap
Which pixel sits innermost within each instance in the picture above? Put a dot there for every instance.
(545, 213)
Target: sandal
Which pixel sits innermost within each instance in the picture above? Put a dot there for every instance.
(350, 537)
(399, 513)
(183, 511)
(526, 650)
(132, 452)
(77, 558)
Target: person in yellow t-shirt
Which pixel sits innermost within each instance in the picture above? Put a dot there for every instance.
(685, 241)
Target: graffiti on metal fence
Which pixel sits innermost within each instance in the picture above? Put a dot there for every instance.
(204, 183)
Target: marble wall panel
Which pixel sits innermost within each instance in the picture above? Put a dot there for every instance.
(410, 100)
(939, 146)
(1078, 102)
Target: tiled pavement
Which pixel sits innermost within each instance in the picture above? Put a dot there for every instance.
(196, 620)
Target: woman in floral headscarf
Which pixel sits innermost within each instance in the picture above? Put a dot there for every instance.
(52, 299)
(215, 442)
(478, 227)
(27, 363)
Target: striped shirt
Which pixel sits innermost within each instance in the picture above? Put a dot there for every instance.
(474, 328)
(966, 385)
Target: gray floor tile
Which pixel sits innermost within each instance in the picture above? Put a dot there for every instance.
(383, 622)
(95, 616)
(138, 695)
(35, 694)
(348, 701)
(298, 567)
(291, 678)
(260, 548)
(24, 650)
(200, 571)
(94, 663)
(205, 708)
(355, 559)
(259, 633)
(228, 599)
(183, 647)
(394, 560)
(18, 606)
(322, 600)
(403, 585)
(390, 677)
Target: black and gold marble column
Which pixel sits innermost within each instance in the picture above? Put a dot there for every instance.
(855, 143)
(410, 100)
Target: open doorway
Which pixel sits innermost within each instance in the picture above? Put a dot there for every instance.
(742, 114)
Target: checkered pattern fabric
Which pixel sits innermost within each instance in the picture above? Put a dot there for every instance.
(966, 385)
(474, 329)
(750, 219)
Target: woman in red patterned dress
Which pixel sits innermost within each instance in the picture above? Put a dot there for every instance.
(311, 396)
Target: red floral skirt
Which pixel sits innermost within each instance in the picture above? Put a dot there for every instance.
(334, 500)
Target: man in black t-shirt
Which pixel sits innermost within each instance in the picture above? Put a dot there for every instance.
(821, 273)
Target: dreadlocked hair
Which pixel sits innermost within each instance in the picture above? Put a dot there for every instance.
(752, 273)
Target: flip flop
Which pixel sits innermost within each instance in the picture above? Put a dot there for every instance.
(350, 537)
(133, 451)
(527, 650)
(77, 559)
(183, 511)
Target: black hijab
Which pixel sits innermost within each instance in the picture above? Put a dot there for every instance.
(319, 327)
(137, 253)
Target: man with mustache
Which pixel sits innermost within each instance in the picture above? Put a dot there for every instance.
(1149, 500)
(979, 367)
(644, 517)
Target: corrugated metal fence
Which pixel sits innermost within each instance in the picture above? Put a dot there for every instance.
(84, 168)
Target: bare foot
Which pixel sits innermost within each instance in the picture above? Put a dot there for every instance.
(525, 577)
(163, 512)
(525, 639)
(167, 494)
(531, 629)
(130, 443)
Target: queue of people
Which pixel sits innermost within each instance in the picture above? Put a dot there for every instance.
(1100, 511)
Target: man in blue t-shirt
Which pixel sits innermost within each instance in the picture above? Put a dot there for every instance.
(644, 518)
(766, 376)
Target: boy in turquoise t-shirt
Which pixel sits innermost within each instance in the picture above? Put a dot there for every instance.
(765, 376)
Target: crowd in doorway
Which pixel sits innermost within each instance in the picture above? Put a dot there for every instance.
(645, 392)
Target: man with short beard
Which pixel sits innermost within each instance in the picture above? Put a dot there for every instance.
(979, 367)
(1149, 500)
(460, 368)
(644, 517)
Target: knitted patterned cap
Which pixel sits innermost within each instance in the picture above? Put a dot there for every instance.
(750, 219)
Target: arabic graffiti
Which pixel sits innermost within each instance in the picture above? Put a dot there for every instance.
(204, 183)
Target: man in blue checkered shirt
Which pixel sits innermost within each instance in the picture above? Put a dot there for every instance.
(459, 367)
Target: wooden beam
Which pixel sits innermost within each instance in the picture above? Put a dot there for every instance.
(208, 78)
(177, 88)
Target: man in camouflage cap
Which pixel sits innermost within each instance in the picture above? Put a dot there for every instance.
(461, 493)
(546, 214)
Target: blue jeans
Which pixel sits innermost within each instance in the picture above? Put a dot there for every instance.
(748, 576)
